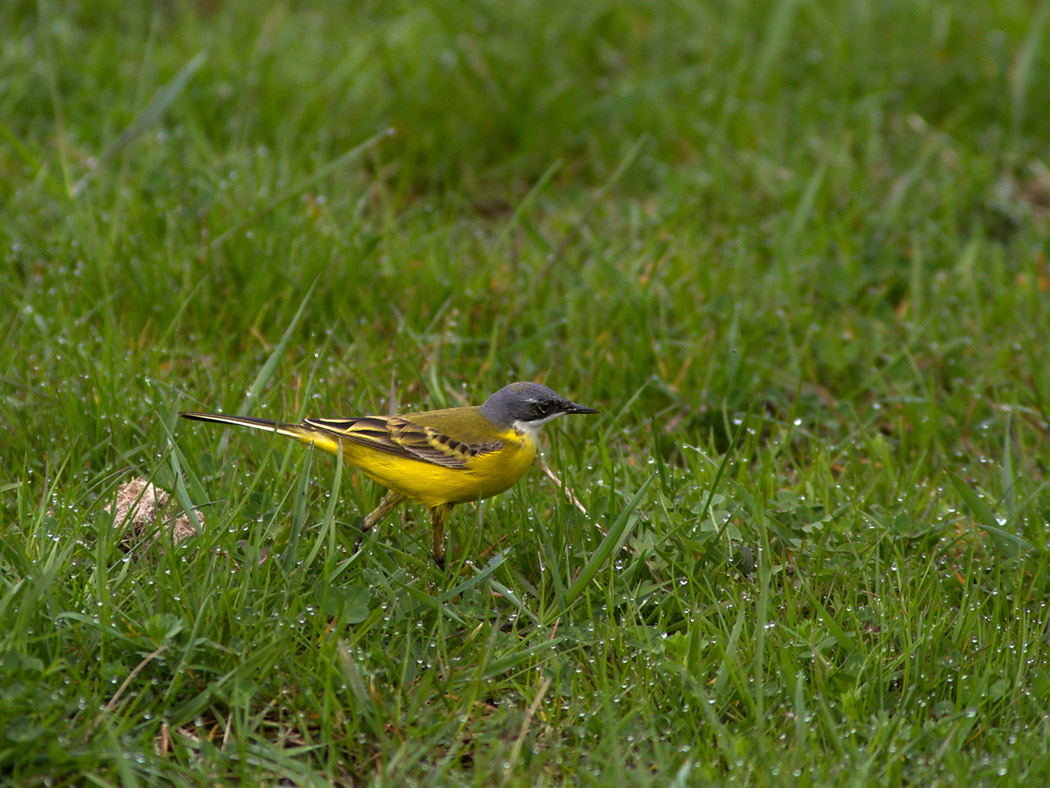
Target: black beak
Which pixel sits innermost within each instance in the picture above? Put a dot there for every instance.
(572, 407)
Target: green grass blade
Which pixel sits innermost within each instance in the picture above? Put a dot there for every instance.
(511, 661)
(1024, 67)
(300, 514)
(619, 531)
(524, 205)
(149, 116)
(270, 367)
(306, 183)
(1010, 545)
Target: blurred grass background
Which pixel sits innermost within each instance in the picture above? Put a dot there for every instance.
(796, 252)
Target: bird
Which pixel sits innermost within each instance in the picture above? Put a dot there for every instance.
(438, 458)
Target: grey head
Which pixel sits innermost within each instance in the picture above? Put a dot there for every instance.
(527, 407)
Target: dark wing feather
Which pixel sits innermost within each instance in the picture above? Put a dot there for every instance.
(403, 438)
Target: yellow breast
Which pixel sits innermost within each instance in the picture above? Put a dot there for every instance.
(433, 485)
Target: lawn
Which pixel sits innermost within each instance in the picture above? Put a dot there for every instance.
(795, 252)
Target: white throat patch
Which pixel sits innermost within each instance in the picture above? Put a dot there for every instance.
(532, 428)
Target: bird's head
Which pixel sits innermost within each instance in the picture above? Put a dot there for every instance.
(527, 406)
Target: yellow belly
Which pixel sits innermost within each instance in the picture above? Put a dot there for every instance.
(433, 485)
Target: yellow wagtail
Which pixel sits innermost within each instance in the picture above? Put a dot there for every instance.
(436, 457)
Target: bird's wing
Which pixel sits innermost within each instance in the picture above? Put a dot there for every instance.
(403, 438)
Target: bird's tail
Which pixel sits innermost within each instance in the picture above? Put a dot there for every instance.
(297, 431)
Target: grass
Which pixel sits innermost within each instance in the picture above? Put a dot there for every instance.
(795, 253)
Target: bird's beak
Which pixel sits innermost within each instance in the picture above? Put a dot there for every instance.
(574, 408)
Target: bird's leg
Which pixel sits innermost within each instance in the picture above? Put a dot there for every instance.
(440, 514)
(390, 500)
